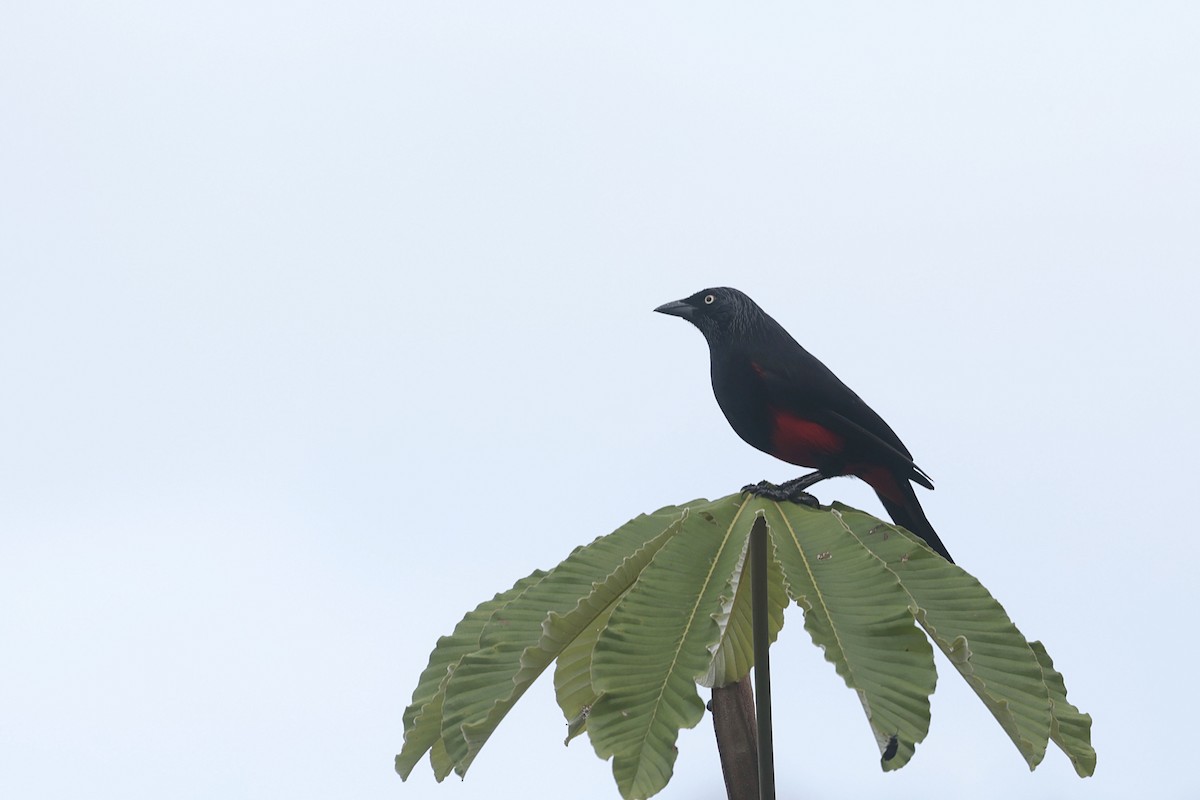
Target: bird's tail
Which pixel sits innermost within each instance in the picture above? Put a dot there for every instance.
(900, 501)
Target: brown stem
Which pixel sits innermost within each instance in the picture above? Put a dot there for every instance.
(733, 719)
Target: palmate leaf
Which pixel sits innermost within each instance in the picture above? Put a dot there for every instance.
(637, 618)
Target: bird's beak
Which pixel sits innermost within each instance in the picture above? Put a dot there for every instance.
(676, 308)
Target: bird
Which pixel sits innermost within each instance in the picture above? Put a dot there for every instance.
(781, 399)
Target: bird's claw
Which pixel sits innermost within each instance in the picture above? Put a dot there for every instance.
(760, 489)
(781, 493)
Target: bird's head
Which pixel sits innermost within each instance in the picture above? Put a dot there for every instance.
(720, 313)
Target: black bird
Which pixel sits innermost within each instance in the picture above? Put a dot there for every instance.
(782, 400)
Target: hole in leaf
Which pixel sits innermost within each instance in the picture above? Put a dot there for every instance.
(893, 746)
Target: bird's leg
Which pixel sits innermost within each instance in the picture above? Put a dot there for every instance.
(792, 491)
(804, 481)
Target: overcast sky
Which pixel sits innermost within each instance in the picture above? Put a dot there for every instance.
(321, 323)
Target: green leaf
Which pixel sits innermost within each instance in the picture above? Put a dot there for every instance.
(423, 717)
(638, 617)
(856, 610)
(646, 662)
(733, 654)
(572, 636)
(970, 627)
(1071, 729)
(489, 681)
(573, 676)
(439, 759)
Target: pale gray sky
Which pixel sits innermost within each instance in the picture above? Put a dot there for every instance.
(321, 323)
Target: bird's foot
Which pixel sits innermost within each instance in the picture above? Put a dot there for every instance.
(782, 492)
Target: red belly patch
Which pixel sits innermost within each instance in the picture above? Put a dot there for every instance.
(803, 442)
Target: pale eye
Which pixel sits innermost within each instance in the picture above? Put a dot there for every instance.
(709, 299)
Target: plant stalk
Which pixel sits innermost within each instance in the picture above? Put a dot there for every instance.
(762, 659)
(732, 710)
